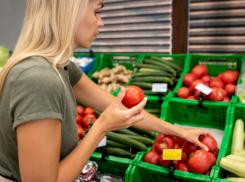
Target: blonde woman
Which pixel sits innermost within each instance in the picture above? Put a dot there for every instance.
(39, 86)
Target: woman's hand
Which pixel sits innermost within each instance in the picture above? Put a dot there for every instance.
(113, 118)
(192, 135)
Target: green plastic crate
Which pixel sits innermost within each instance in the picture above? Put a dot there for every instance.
(215, 64)
(96, 62)
(236, 112)
(180, 59)
(111, 60)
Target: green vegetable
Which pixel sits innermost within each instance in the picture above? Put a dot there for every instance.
(128, 132)
(115, 151)
(144, 140)
(238, 152)
(138, 65)
(235, 179)
(150, 70)
(169, 63)
(111, 143)
(150, 134)
(151, 73)
(143, 85)
(149, 92)
(153, 79)
(238, 136)
(236, 157)
(241, 96)
(233, 166)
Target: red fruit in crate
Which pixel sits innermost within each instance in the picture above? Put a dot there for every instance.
(87, 111)
(194, 84)
(199, 71)
(79, 138)
(206, 78)
(216, 95)
(192, 97)
(237, 74)
(197, 94)
(226, 99)
(179, 141)
(220, 76)
(153, 148)
(188, 79)
(88, 119)
(183, 92)
(223, 92)
(213, 158)
(166, 163)
(216, 153)
(152, 157)
(229, 77)
(176, 146)
(189, 148)
(79, 119)
(230, 89)
(200, 162)
(184, 157)
(80, 110)
(164, 142)
(210, 142)
(183, 167)
(133, 96)
(80, 130)
(216, 83)
(208, 173)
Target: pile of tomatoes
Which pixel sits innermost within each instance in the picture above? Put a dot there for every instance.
(223, 85)
(84, 117)
(193, 159)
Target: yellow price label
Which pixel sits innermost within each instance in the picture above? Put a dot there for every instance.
(171, 154)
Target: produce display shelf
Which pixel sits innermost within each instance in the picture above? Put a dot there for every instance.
(180, 59)
(236, 112)
(90, 68)
(110, 60)
(216, 64)
(142, 171)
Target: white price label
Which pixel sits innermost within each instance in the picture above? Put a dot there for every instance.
(159, 87)
(103, 142)
(203, 88)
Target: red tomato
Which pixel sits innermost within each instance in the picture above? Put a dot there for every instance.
(184, 157)
(226, 99)
(216, 78)
(176, 146)
(88, 119)
(79, 119)
(220, 76)
(189, 148)
(183, 167)
(133, 96)
(179, 141)
(152, 157)
(216, 153)
(188, 79)
(230, 89)
(79, 138)
(223, 92)
(164, 142)
(183, 92)
(197, 94)
(200, 71)
(200, 162)
(194, 84)
(192, 97)
(88, 110)
(210, 142)
(208, 173)
(206, 78)
(166, 163)
(216, 83)
(80, 110)
(237, 74)
(216, 95)
(153, 148)
(213, 158)
(80, 130)
(229, 77)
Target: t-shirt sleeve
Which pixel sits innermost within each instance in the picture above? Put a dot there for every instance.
(36, 93)
(75, 73)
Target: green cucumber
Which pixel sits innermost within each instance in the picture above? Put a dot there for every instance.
(144, 140)
(237, 137)
(150, 134)
(238, 152)
(169, 63)
(153, 79)
(127, 132)
(111, 143)
(150, 73)
(150, 70)
(149, 92)
(114, 151)
(157, 63)
(138, 65)
(127, 141)
(97, 113)
(235, 179)
(153, 111)
(143, 85)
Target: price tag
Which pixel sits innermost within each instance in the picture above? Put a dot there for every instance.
(159, 87)
(172, 154)
(203, 88)
(103, 142)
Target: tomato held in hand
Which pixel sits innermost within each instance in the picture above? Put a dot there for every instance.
(133, 96)
(80, 110)
(210, 142)
(152, 157)
(164, 142)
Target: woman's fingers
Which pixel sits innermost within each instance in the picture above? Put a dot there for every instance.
(119, 98)
(137, 109)
(201, 145)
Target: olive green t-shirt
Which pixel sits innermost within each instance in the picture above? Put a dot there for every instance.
(33, 90)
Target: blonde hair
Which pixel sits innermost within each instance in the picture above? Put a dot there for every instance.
(48, 31)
